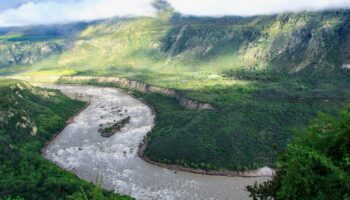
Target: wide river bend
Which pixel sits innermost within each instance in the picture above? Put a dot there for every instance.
(82, 150)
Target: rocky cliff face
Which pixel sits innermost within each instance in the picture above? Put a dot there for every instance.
(286, 42)
(345, 43)
(123, 82)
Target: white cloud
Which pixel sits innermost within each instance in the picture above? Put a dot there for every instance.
(253, 7)
(50, 12)
(28, 12)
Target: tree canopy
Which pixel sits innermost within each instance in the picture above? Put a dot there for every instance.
(315, 166)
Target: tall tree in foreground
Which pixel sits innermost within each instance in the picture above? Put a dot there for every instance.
(315, 166)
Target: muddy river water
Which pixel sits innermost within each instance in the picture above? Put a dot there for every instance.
(82, 150)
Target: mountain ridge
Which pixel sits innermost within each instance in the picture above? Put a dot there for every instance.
(286, 42)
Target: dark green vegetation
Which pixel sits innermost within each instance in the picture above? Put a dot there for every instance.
(29, 117)
(249, 125)
(223, 138)
(109, 131)
(315, 166)
(263, 74)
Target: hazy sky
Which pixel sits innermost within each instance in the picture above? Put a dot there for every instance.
(28, 12)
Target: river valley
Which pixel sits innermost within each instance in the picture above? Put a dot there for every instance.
(81, 149)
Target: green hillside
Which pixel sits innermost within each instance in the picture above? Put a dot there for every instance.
(174, 44)
(264, 75)
(29, 117)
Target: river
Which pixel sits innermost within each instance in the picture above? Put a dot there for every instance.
(82, 150)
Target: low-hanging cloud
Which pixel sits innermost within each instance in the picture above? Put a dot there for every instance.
(29, 12)
(253, 7)
(63, 11)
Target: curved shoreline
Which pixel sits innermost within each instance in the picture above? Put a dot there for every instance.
(262, 172)
(84, 153)
(144, 157)
(69, 121)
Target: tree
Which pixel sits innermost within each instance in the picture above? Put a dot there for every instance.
(316, 166)
(164, 9)
(162, 6)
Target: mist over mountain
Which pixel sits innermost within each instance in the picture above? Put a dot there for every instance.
(40, 12)
(289, 42)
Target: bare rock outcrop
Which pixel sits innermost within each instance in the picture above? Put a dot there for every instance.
(126, 83)
(142, 87)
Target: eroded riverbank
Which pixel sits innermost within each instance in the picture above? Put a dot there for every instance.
(81, 149)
